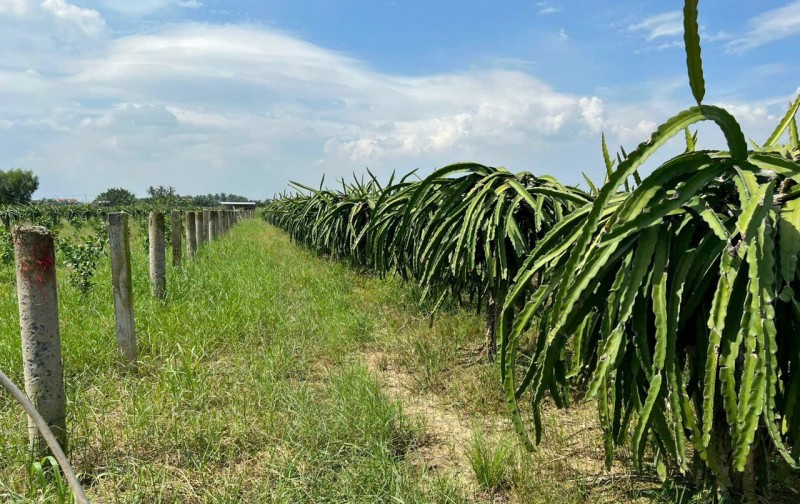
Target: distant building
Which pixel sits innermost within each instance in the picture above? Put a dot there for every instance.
(238, 205)
(62, 201)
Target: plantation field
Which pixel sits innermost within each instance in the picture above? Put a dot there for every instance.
(271, 375)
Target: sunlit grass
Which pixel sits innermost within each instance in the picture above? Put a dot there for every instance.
(249, 387)
(252, 387)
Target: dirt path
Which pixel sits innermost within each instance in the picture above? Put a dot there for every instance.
(449, 431)
(572, 451)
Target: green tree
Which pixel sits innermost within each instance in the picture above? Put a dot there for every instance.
(205, 200)
(116, 196)
(211, 200)
(17, 186)
(163, 195)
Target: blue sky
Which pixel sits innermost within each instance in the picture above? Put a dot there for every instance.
(242, 97)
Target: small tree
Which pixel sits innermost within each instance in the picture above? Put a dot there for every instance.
(17, 186)
(165, 196)
(116, 196)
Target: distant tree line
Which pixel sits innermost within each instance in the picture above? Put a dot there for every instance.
(165, 195)
(17, 187)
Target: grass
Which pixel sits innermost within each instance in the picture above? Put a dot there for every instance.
(248, 387)
(253, 387)
(490, 459)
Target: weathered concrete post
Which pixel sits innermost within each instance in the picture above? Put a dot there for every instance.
(158, 259)
(213, 225)
(175, 237)
(34, 249)
(191, 235)
(119, 243)
(206, 225)
(200, 228)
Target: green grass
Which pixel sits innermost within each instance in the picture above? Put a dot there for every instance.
(250, 387)
(490, 459)
(253, 387)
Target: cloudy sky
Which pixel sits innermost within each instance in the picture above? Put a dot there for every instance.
(243, 96)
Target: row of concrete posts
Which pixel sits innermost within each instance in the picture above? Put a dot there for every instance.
(34, 249)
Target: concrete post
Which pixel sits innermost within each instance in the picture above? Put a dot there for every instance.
(34, 249)
(119, 243)
(206, 225)
(213, 225)
(175, 237)
(199, 228)
(158, 267)
(191, 235)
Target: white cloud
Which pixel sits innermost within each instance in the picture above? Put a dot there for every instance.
(631, 135)
(715, 37)
(668, 24)
(196, 98)
(48, 24)
(665, 31)
(14, 7)
(138, 8)
(592, 111)
(245, 108)
(87, 21)
(769, 26)
(546, 8)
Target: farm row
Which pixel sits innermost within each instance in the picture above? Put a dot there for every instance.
(34, 250)
(672, 300)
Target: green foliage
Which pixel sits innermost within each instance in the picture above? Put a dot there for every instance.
(163, 197)
(462, 231)
(17, 186)
(475, 225)
(491, 460)
(116, 196)
(694, 63)
(47, 482)
(212, 200)
(6, 248)
(248, 388)
(82, 260)
(674, 306)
